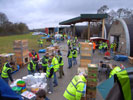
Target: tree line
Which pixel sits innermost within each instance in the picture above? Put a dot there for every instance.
(9, 28)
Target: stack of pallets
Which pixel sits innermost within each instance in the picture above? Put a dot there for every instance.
(86, 54)
(10, 57)
(21, 51)
(92, 81)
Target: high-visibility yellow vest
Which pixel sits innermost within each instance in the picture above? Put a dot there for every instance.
(48, 71)
(75, 55)
(114, 71)
(55, 64)
(125, 79)
(34, 66)
(75, 88)
(68, 42)
(46, 60)
(4, 73)
(62, 62)
(70, 55)
(41, 41)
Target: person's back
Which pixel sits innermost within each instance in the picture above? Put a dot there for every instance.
(75, 88)
(123, 86)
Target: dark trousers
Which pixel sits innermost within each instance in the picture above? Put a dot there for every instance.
(61, 72)
(44, 68)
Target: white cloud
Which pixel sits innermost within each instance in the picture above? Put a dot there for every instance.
(44, 13)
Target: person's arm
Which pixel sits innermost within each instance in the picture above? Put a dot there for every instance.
(68, 53)
(74, 52)
(79, 91)
(60, 60)
(31, 66)
(9, 74)
(51, 72)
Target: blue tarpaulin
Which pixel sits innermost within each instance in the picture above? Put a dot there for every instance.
(120, 58)
(42, 51)
(6, 92)
(105, 87)
(46, 37)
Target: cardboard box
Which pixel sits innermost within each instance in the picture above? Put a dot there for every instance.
(20, 43)
(84, 62)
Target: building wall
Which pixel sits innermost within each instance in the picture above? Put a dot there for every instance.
(117, 30)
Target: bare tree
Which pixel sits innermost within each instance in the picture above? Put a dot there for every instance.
(3, 18)
(103, 9)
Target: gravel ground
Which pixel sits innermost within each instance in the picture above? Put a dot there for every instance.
(69, 73)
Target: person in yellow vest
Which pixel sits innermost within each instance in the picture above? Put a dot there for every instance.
(32, 66)
(61, 64)
(68, 43)
(123, 86)
(75, 54)
(75, 89)
(79, 48)
(45, 62)
(56, 68)
(6, 72)
(41, 43)
(50, 76)
(114, 71)
(69, 56)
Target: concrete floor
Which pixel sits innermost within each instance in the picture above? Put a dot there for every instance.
(69, 73)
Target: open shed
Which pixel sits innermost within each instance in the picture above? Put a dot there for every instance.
(86, 18)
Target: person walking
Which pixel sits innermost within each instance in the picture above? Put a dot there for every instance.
(50, 75)
(56, 68)
(61, 64)
(41, 43)
(75, 53)
(94, 47)
(69, 56)
(76, 88)
(68, 43)
(45, 62)
(6, 72)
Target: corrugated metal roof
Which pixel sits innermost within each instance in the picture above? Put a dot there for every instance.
(84, 17)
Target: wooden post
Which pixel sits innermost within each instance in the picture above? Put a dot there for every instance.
(103, 28)
(88, 30)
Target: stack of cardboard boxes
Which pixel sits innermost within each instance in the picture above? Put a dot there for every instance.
(21, 51)
(10, 57)
(53, 49)
(86, 54)
(92, 81)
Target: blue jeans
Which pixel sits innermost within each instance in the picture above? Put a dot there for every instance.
(55, 79)
(47, 98)
(111, 51)
(70, 62)
(74, 61)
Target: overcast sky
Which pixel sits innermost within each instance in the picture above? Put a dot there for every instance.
(48, 13)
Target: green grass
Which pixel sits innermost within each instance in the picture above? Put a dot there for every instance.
(6, 42)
